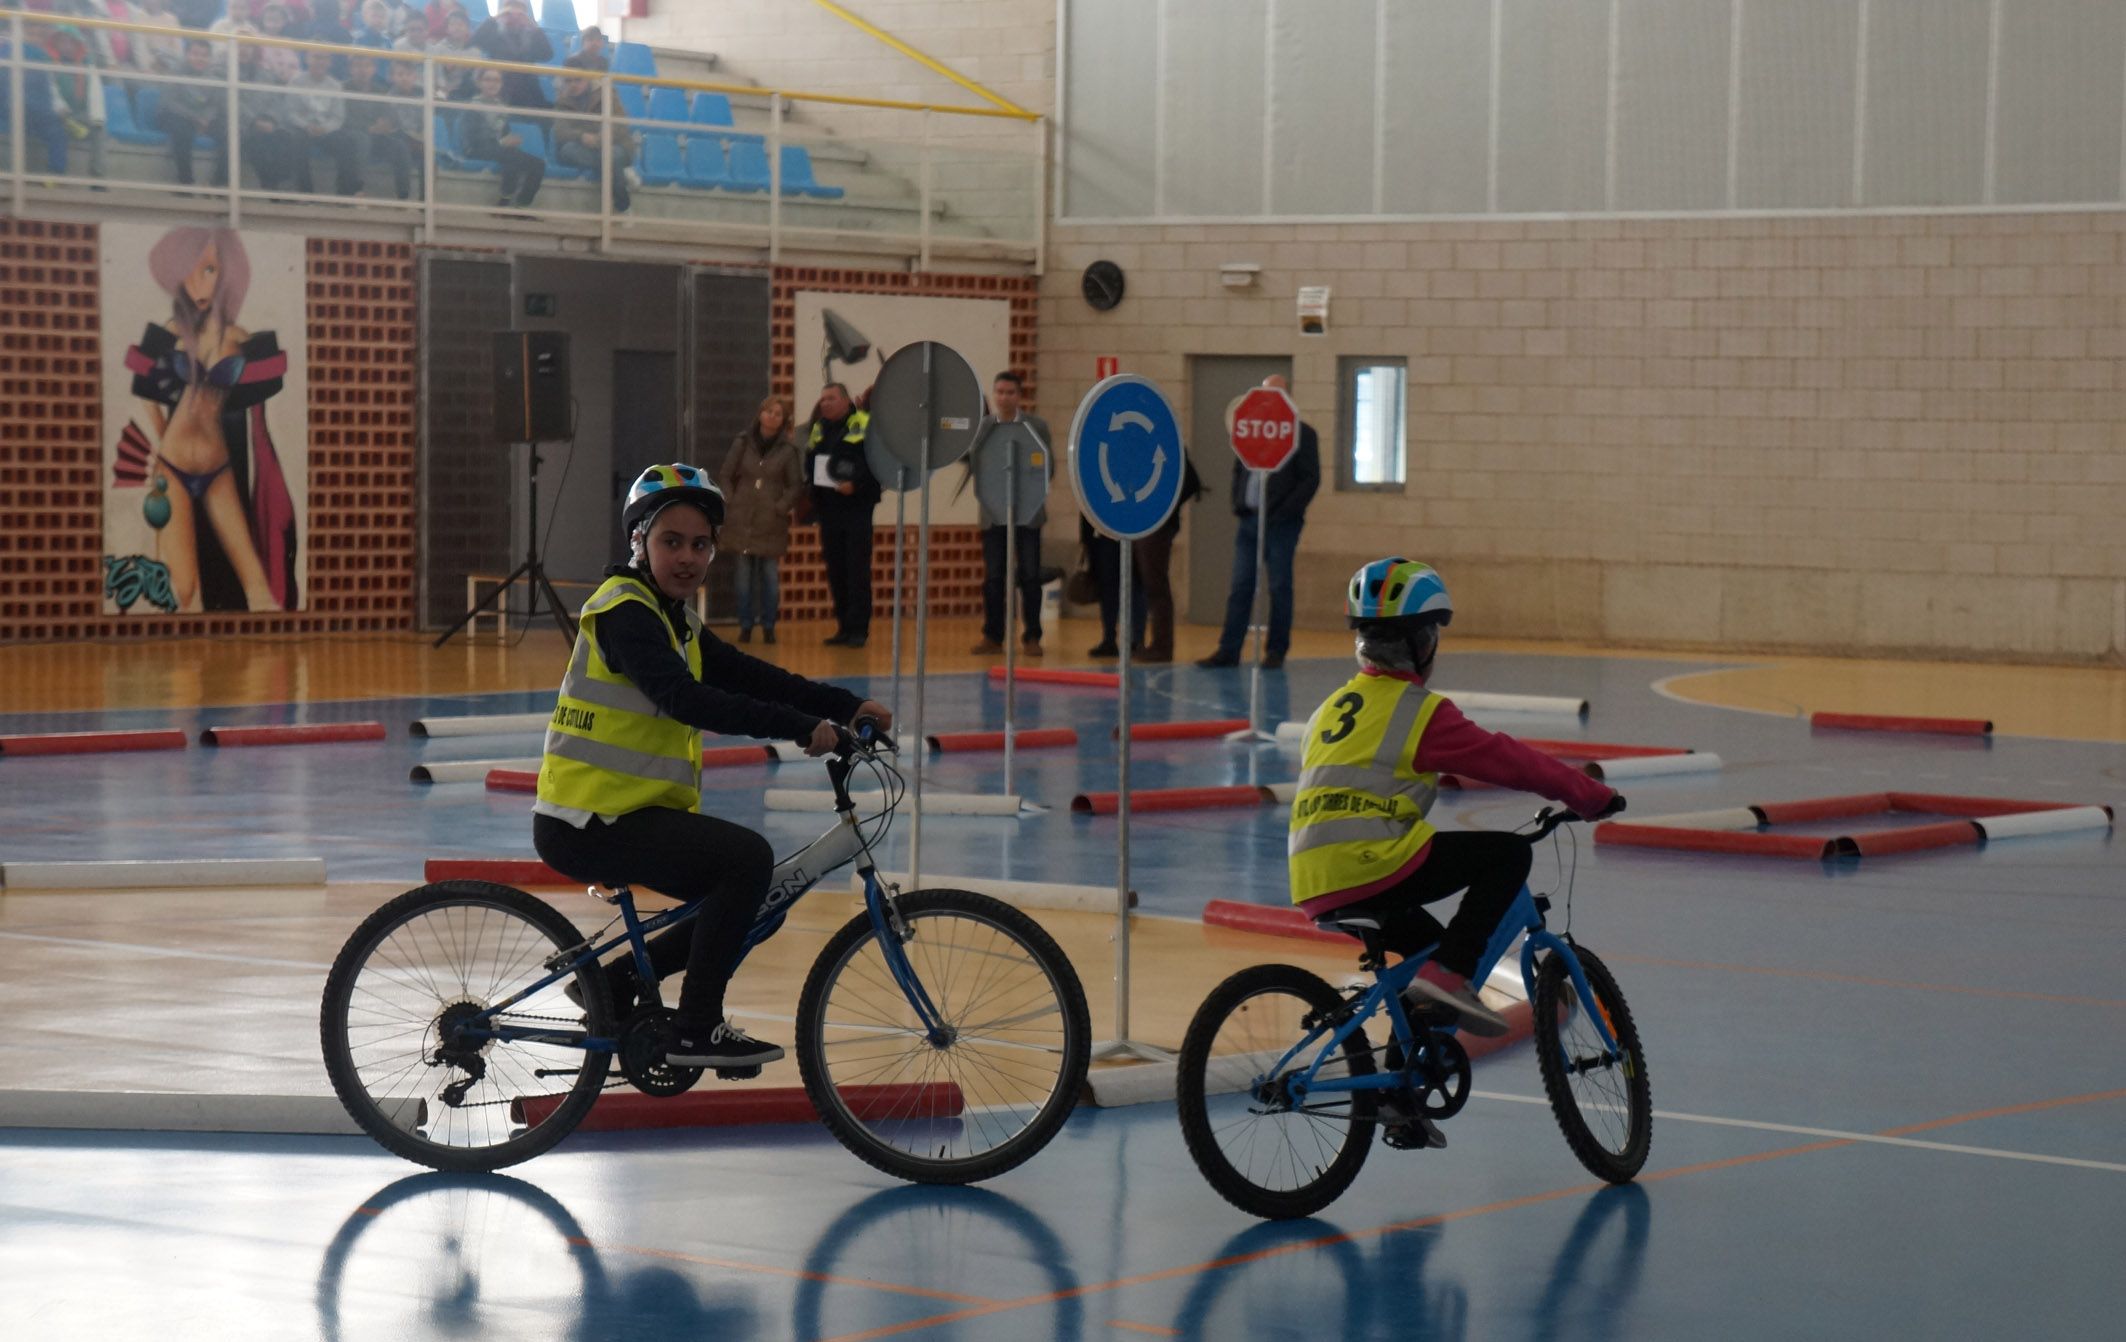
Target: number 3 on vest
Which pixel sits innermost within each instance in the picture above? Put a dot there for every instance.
(1351, 705)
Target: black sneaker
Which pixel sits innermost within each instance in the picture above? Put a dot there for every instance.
(838, 640)
(723, 1045)
(1217, 661)
(1104, 649)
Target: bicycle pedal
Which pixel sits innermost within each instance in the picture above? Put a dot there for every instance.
(737, 1073)
(1414, 1136)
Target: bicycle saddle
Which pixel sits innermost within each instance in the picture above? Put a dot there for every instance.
(1353, 925)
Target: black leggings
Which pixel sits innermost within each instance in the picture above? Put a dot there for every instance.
(681, 855)
(1492, 865)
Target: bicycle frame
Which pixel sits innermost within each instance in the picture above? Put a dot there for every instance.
(792, 877)
(1525, 915)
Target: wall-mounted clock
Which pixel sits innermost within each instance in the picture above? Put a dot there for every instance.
(1103, 285)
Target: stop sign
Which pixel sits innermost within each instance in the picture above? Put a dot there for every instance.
(1265, 429)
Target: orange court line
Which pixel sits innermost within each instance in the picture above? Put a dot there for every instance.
(798, 1273)
(1829, 976)
(1442, 1218)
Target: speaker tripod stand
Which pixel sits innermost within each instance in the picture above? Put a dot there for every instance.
(532, 573)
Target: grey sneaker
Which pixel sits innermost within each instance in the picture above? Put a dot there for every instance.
(1468, 1010)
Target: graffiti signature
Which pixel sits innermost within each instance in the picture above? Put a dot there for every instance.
(137, 578)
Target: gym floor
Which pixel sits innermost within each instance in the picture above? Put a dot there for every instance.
(1891, 1092)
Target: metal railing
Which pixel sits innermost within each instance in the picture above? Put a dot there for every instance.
(902, 189)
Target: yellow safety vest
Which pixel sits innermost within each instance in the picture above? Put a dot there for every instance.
(609, 749)
(1358, 813)
(853, 430)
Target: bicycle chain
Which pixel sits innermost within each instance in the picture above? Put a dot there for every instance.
(543, 1020)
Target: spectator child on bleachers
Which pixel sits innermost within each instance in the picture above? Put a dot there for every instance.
(454, 83)
(579, 143)
(187, 110)
(318, 113)
(484, 133)
(512, 36)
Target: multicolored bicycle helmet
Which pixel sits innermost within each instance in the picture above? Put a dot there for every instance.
(1398, 589)
(661, 486)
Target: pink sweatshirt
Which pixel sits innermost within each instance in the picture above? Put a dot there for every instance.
(1453, 744)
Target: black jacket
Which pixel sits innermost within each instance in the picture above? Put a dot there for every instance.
(845, 461)
(737, 695)
(1288, 491)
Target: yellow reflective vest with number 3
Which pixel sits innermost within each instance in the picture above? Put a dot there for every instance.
(1358, 815)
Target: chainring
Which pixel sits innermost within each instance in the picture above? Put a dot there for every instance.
(644, 1037)
(1441, 1076)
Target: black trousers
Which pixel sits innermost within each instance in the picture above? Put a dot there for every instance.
(1491, 865)
(681, 855)
(845, 546)
(1029, 557)
(1107, 571)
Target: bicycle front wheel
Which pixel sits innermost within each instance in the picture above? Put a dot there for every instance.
(1263, 1153)
(1603, 1101)
(985, 1092)
(412, 978)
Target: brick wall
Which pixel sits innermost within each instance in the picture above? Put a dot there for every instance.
(1840, 434)
(358, 558)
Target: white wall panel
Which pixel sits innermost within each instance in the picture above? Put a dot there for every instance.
(1553, 105)
(2062, 78)
(1212, 92)
(1926, 131)
(1322, 83)
(1795, 137)
(1111, 84)
(1437, 107)
(1672, 104)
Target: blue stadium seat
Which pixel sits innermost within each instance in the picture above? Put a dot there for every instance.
(712, 109)
(118, 115)
(531, 139)
(797, 178)
(661, 163)
(147, 100)
(706, 167)
(631, 100)
(546, 86)
(558, 15)
(668, 105)
(446, 142)
(749, 165)
(633, 58)
(561, 42)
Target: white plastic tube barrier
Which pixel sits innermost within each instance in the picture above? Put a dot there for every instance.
(2043, 822)
(1478, 701)
(468, 771)
(157, 1111)
(1291, 733)
(162, 875)
(1281, 793)
(1733, 817)
(1153, 1082)
(1654, 766)
(934, 803)
(488, 724)
(1018, 894)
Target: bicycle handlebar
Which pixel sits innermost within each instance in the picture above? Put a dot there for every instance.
(1549, 818)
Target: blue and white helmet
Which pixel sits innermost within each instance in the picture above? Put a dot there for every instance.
(660, 486)
(1398, 589)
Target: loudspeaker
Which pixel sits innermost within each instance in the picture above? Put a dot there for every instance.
(531, 386)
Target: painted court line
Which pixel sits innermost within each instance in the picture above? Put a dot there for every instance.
(1891, 1136)
(1827, 976)
(1465, 1213)
(170, 952)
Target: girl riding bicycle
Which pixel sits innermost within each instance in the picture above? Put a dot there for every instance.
(620, 786)
(1360, 844)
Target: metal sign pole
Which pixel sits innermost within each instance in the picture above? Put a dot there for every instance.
(900, 551)
(922, 610)
(1011, 605)
(1122, 1039)
(1262, 596)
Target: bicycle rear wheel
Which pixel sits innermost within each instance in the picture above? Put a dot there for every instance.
(1603, 1101)
(416, 970)
(1261, 1154)
(998, 1085)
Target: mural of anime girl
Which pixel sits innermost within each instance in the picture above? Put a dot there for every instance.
(218, 499)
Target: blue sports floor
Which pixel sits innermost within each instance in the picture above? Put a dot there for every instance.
(1891, 1092)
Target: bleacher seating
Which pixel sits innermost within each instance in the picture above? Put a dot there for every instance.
(706, 167)
(633, 58)
(558, 16)
(797, 178)
(669, 105)
(749, 165)
(712, 109)
(662, 163)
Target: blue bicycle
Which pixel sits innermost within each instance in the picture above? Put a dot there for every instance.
(1280, 1092)
(941, 1034)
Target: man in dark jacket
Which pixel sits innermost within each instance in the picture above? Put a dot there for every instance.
(512, 36)
(1290, 490)
(844, 495)
(1005, 393)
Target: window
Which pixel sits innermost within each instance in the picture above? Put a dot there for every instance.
(1375, 428)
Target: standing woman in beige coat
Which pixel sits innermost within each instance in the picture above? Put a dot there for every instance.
(762, 479)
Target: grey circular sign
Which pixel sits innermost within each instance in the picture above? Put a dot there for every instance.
(926, 393)
(1001, 450)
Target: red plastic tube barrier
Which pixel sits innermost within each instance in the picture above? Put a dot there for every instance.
(1270, 920)
(724, 757)
(1879, 722)
(512, 780)
(1823, 808)
(1580, 751)
(301, 734)
(1913, 839)
(623, 1110)
(1182, 731)
(1171, 799)
(1715, 841)
(501, 870)
(91, 743)
(1103, 680)
(1032, 739)
(1976, 808)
